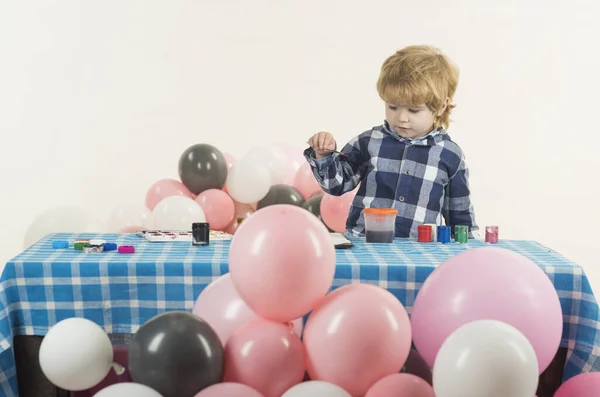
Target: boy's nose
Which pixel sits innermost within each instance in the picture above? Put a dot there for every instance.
(402, 117)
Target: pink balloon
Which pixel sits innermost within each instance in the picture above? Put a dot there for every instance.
(266, 356)
(232, 227)
(220, 305)
(229, 389)
(295, 157)
(458, 292)
(165, 188)
(132, 229)
(356, 335)
(305, 181)
(297, 326)
(582, 385)
(229, 159)
(218, 208)
(400, 385)
(334, 210)
(241, 213)
(282, 262)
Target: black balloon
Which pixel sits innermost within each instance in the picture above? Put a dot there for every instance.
(177, 354)
(202, 167)
(313, 205)
(415, 365)
(317, 193)
(281, 194)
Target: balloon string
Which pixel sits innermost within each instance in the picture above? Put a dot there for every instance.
(119, 369)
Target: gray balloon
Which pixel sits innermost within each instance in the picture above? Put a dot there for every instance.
(202, 167)
(313, 205)
(281, 194)
(415, 365)
(177, 354)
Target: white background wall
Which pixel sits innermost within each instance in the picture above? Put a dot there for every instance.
(99, 99)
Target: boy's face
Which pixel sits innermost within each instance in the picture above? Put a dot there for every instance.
(410, 122)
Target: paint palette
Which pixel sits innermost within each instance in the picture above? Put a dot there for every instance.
(177, 235)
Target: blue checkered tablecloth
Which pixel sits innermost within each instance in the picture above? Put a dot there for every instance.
(120, 292)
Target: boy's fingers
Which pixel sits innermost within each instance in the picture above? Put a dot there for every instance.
(321, 141)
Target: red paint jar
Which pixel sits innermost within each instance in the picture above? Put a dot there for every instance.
(425, 233)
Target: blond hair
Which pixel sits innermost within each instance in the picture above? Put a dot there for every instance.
(417, 75)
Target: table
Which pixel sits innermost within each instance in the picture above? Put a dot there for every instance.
(42, 286)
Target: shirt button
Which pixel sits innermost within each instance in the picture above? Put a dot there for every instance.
(401, 198)
(407, 172)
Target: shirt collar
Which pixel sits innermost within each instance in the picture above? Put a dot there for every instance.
(423, 141)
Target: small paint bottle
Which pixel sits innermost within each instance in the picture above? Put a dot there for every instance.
(491, 234)
(200, 233)
(461, 234)
(433, 231)
(424, 233)
(443, 234)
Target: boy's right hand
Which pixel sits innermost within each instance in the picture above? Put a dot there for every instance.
(323, 144)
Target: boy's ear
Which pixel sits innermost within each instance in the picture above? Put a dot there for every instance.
(444, 107)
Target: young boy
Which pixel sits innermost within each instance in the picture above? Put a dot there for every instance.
(409, 163)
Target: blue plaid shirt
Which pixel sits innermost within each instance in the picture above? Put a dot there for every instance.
(424, 179)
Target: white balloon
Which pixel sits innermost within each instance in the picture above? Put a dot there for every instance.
(129, 216)
(248, 182)
(177, 213)
(273, 158)
(316, 388)
(66, 219)
(486, 358)
(76, 354)
(128, 389)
